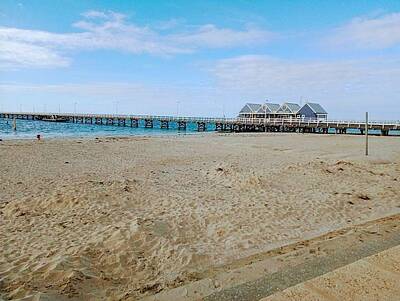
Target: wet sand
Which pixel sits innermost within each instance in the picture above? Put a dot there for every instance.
(126, 218)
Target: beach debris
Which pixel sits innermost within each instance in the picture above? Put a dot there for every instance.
(363, 197)
(62, 224)
(20, 213)
(66, 162)
(343, 163)
(219, 169)
(350, 202)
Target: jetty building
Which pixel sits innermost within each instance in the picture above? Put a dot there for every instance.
(286, 110)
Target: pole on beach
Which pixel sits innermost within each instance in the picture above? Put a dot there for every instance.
(265, 117)
(366, 133)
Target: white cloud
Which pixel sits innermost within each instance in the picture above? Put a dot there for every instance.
(257, 71)
(346, 87)
(110, 30)
(369, 33)
(211, 36)
(169, 24)
(95, 14)
(14, 54)
(88, 89)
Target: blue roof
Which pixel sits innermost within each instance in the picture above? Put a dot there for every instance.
(254, 106)
(273, 107)
(269, 107)
(317, 108)
(250, 108)
(289, 106)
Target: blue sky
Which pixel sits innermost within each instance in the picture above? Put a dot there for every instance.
(200, 58)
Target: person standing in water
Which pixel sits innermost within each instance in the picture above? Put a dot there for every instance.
(15, 124)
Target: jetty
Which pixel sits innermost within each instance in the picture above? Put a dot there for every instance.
(239, 124)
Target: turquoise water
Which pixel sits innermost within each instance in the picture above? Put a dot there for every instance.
(372, 132)
(27, 129)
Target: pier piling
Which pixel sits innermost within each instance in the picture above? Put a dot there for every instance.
(134, 123)
(148, 123)
(201, 126)
(181, 126)
(164, 124)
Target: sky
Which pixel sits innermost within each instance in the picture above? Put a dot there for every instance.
(200, 58)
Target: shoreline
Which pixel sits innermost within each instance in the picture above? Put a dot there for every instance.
(93, 137)
(192, 134)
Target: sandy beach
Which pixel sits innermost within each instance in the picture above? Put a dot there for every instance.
(127, 218)
(371, 278)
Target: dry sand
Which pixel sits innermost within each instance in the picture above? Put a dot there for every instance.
(125, 218)
(374, 278)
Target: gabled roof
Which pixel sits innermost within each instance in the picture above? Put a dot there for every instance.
(254, 106)
(288, 107)
(316, 108)
(262, 110)
(269, 107)
(245, 109)
(273, 107)
(250, 108)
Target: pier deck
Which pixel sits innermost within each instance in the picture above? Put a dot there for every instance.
(302, 125)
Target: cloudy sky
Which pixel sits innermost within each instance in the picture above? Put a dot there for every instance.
(200, 58)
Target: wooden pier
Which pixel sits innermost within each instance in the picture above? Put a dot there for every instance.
(300, 125)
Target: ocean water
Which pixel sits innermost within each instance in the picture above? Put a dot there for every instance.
(28, 129)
